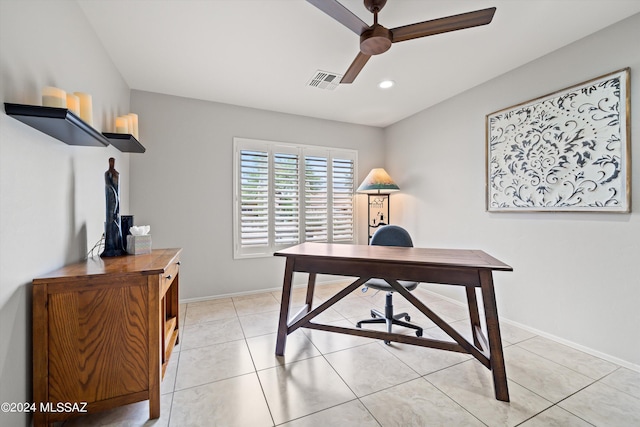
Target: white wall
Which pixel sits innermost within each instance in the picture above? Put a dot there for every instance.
(51, 194)
(576, 275)
(182, 185)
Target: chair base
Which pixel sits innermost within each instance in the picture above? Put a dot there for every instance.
(390, 319)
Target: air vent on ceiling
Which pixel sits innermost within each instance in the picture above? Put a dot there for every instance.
(325, 80)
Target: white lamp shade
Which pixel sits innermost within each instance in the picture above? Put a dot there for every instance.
(378, 181)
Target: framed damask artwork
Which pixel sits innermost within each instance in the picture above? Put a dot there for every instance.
(567, 151)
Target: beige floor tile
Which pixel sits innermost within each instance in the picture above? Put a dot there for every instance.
(555, 417)
(213, 363)
(588, 365)
(209, 302)
(251, 296)
(354, 307)
(328, 342)
(252, 304)
(470, 384)
(512, 334)
(169, 380)
(548, 379)
(325, 292)
(222, 403)
(257, 324)
(329, 315)
(426, 296)
(182, 310)
(133, 415)
(263, 349)
(624, 380)
(449, 311)
(301, 388)
(439, 334)
(298, 296)
(199, 312)
(603, 405)
(348, 414)
(203, 334)
(417, 404)
(426, 360)
(370, 368)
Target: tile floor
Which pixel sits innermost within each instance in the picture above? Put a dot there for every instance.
(224, 373)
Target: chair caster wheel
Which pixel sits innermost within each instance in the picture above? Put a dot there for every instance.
(407, 318)
(373, 315)
(358, 325)
(419, 333)
(387, 342)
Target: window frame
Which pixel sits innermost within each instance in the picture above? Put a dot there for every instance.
(272, 148)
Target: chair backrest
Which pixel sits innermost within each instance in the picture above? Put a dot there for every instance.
(391, 235)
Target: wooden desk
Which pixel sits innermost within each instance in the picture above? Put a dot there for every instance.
(103, 332)
(468, 268)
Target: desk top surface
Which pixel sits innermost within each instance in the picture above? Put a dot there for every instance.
(460, 258)
(148, 264)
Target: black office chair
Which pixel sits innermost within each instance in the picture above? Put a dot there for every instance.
(390, 235)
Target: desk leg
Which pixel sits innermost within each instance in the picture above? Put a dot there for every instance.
(495, 340)
(281, 341)
(472, 303)
(311, 284)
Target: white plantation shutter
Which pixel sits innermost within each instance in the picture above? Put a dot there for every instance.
(254, 198)
(316, 211)
(286, 194)
(343, 184)
(286, 183)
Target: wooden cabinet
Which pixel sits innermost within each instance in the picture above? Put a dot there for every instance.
(103, 333)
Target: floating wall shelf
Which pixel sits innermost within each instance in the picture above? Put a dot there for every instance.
(59, 123)
(125, 142)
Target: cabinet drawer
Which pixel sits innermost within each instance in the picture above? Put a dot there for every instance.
(169, 275)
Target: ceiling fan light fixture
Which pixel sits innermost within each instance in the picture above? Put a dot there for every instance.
(386, 84)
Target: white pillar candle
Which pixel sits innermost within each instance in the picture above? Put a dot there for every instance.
(86, 108)
(73, 104)
(134, 124)
(54, 97)
(122, 124)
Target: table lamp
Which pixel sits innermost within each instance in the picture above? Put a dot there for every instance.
(377, 185)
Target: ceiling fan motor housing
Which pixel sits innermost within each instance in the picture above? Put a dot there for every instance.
(375, 40)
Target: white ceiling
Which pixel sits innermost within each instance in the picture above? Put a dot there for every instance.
(262, 53)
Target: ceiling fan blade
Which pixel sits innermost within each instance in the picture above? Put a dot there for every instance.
(341, 14)
(443, 25)
(355, 68)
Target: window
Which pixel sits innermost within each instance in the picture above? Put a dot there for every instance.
(287, 194)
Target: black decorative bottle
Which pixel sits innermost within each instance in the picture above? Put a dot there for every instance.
(113, 245)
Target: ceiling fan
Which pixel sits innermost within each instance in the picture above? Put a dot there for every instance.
(376, 39)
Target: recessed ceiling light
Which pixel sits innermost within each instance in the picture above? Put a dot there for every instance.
(386, 84)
